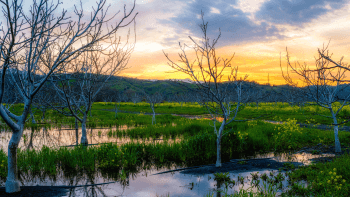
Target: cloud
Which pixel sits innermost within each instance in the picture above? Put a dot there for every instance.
(296, 12)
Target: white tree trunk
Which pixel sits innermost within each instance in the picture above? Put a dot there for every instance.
(218, 144)
(30, 144)
(116, 112)
(12, 183)
(218, 152)
(76, 131)
(84, 140)
(336, 137)
(154, 114)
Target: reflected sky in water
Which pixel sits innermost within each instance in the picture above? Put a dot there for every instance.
(66, 136)
(141, 183)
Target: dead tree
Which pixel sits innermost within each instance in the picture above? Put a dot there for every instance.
(36, 43)
(214, 94)
(136, 98)
(323, 87)
(116, 98)
(81, 81)
(153, 99)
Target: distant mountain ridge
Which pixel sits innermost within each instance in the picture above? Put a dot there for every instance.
(168, 87)
(172, 87)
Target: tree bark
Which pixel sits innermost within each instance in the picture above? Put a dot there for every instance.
(116, 110)
(12, 183)
(218, 151)
(84, 140)
(218, 144)
(76, 131)
(336, 137)
(154, 114)
(30, 145)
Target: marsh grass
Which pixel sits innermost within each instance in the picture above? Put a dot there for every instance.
(166, 107)
(197, 147)
(324, 179)
(101, 117)
(184, 128)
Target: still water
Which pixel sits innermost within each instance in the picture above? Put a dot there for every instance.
(66, 136)
(145, 182)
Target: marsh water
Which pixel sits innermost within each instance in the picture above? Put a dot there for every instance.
(145, 182)
(66, 136)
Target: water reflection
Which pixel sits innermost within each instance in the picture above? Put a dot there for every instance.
(304, 158)
(140, 181)
(66, 136)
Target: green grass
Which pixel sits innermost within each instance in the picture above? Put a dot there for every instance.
(174, 108)
(102, 118)
(197, 147)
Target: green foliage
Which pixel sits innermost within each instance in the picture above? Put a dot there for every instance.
(325, 179)
(288, 135)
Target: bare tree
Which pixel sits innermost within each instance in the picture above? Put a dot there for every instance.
(153, 100)
(35, 45)
(323, 87)
(78, 90)
(117, 98)
(214, 94)
(136, 98)
(43, 99)
(257, 97)
(179, 98)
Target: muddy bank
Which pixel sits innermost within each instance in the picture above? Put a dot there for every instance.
(244, 165)
(240, 166)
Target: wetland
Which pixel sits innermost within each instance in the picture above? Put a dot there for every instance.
(128, 156)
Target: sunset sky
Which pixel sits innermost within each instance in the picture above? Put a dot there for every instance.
(255, 30)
